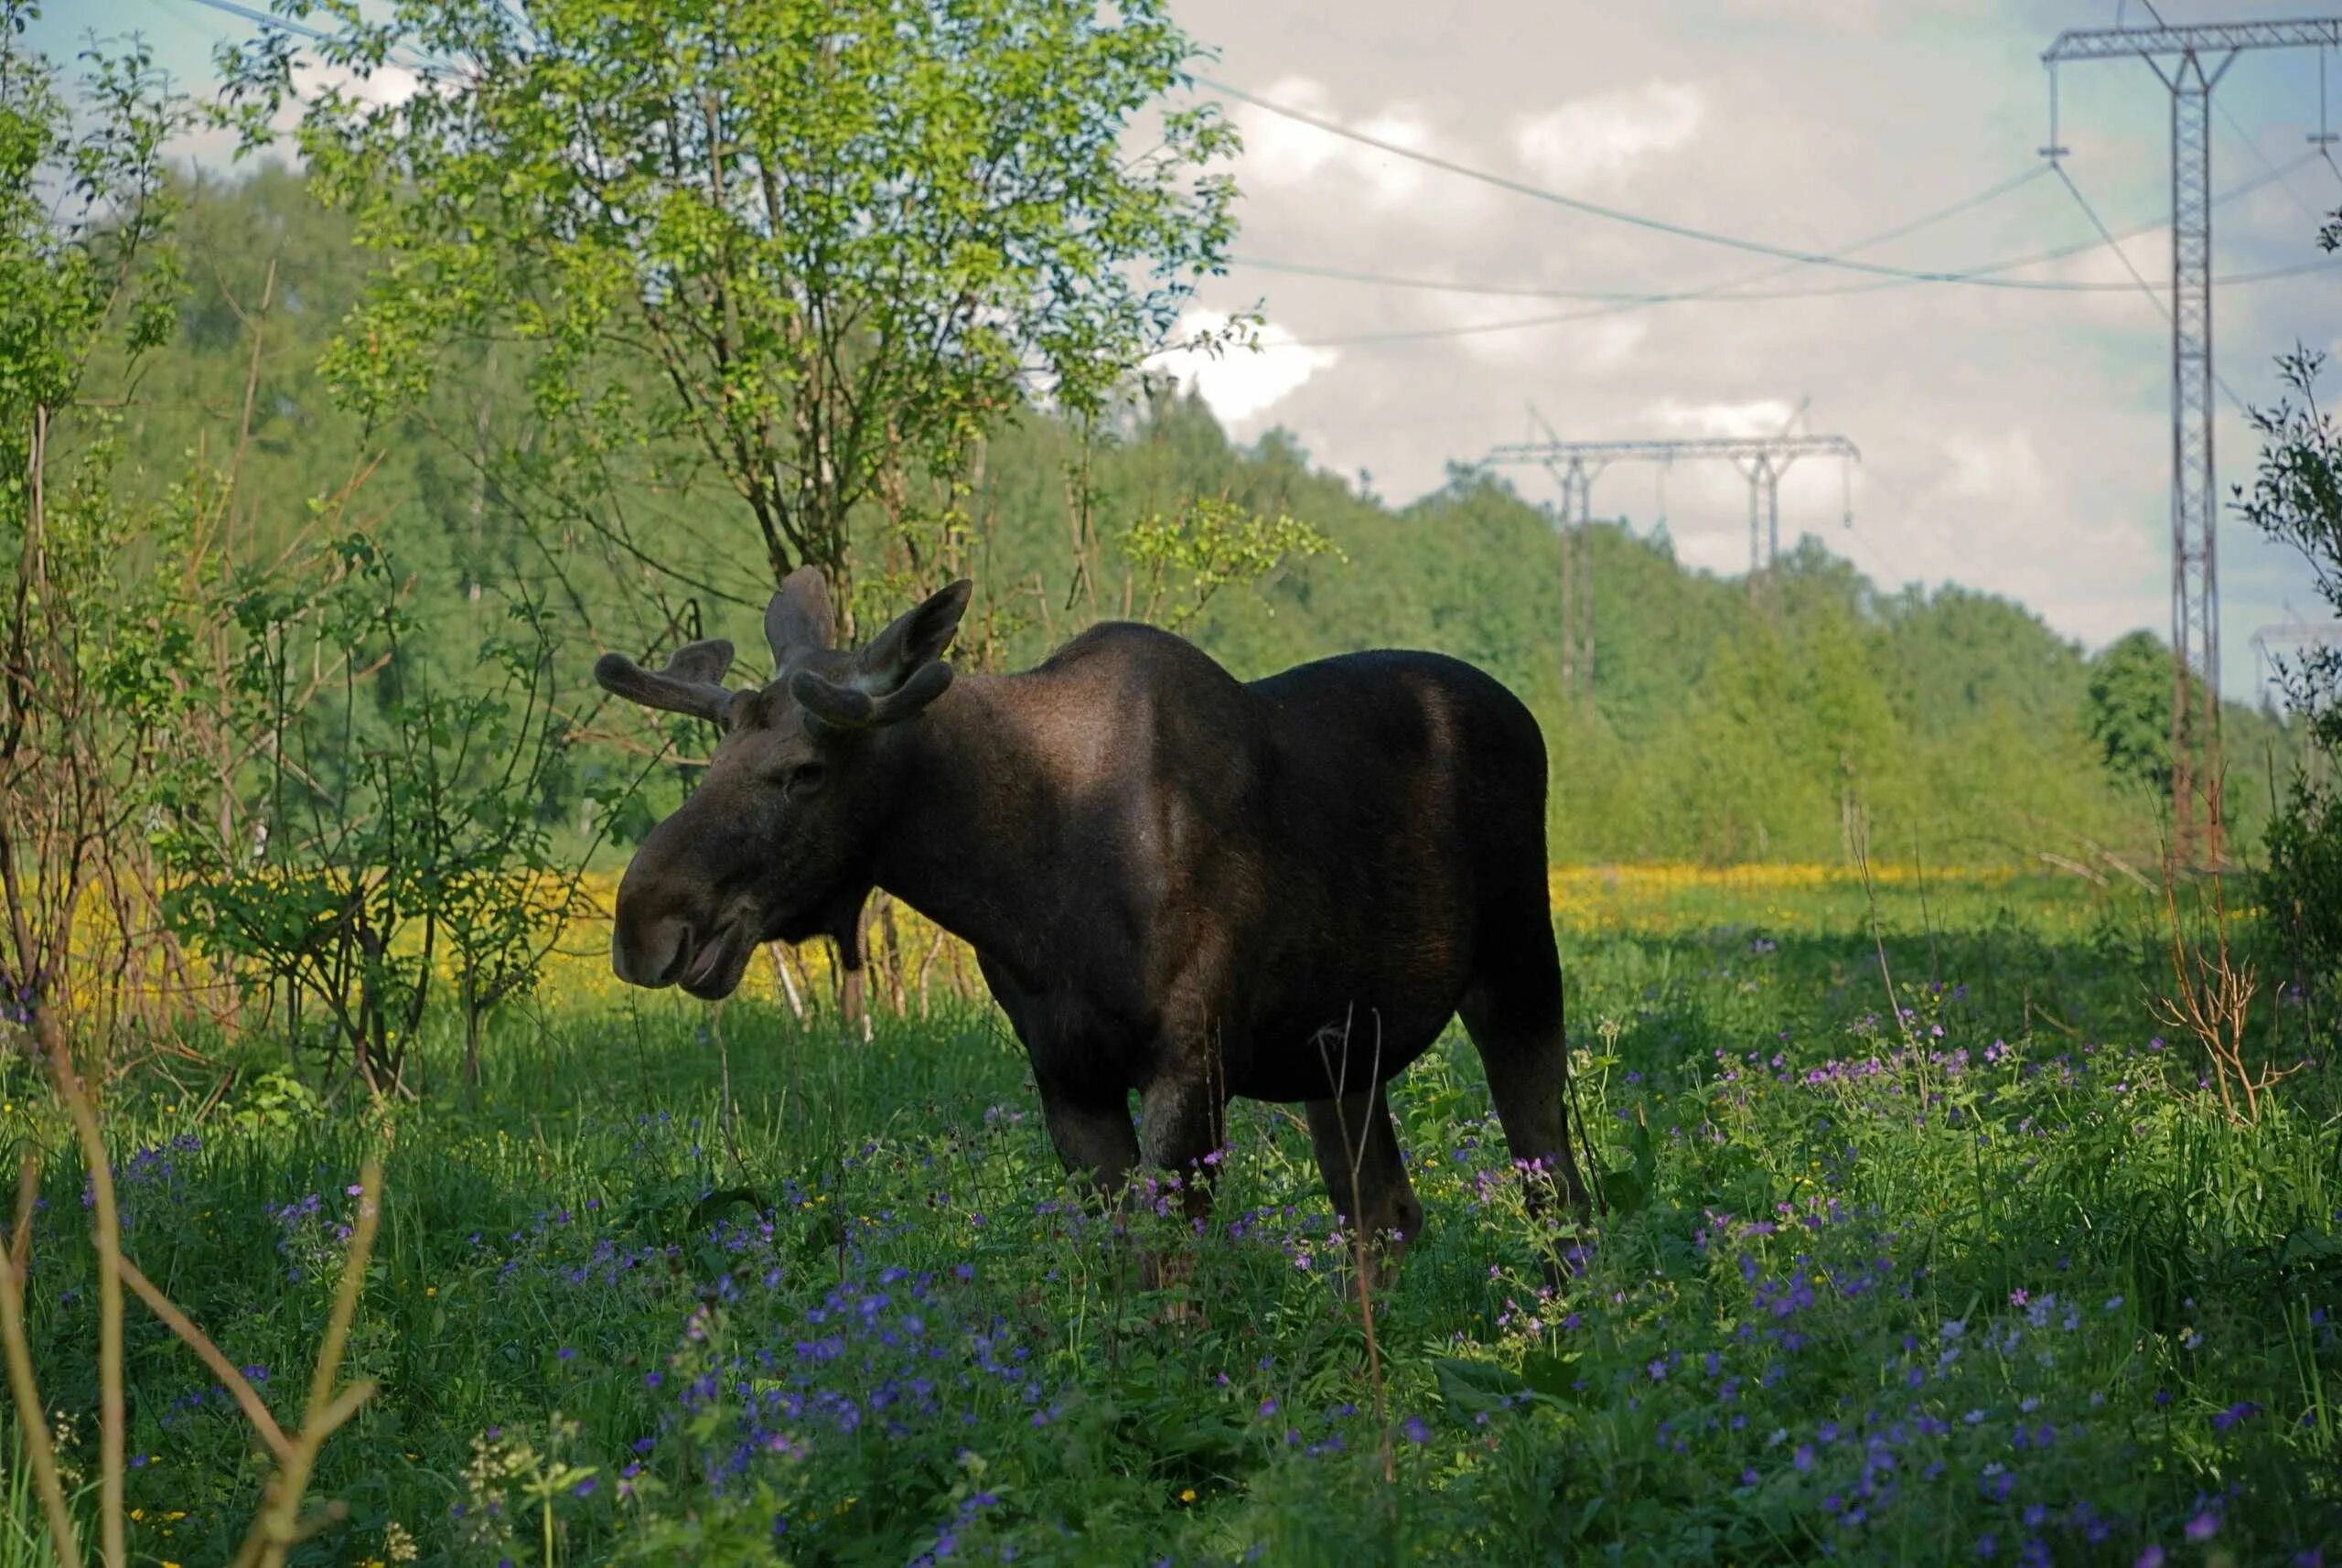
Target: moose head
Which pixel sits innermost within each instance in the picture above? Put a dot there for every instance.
(777, 841)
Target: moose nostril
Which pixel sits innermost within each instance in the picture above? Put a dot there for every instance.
(652, 955)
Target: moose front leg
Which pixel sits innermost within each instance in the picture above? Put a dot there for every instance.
(1182, 1124)
(1093, 1139)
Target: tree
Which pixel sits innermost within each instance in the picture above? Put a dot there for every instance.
(848, 234)
(2296, 498)
(2129, 699)
(105, 607)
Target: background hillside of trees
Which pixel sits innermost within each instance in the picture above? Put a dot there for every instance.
(1723, 725)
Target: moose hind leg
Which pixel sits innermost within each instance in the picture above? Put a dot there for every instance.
(1358, 1154)
(1513, 1010)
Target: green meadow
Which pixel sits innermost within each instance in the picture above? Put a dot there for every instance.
(1980, 1272)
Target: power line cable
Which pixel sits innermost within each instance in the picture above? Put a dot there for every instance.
(1795, 258)
(2136, 277)
(2261, 157)
(1597, 209)
(1992, 192)
(2007, 265)
(1524, 323)
(2269, 274)
(416, 60)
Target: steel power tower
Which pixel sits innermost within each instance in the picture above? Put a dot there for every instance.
(2294, 635)
(2190, 62)
(1576, 481)
(2268, 640)
(1761, 459)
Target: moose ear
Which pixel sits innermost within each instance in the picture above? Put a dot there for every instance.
(911, 641)
(797, 622)
(691, 684)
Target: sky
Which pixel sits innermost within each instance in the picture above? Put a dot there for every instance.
(2016, 441)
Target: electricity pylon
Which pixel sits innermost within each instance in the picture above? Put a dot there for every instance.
(1576, 482)
(1761, 459)
(2267, 639)
(2195, 506)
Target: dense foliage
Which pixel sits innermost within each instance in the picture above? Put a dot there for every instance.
(2296, 498)
(799, 251)
(1947, 722)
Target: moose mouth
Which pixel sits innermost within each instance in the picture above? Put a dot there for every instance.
(714, 971)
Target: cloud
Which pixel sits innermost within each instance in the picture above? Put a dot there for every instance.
(1282, 154)
(1601, 343)
(1598, 140)
(216, 146)
(385, 88)
(1240, 382)
(2004, 469)
(1760, 416)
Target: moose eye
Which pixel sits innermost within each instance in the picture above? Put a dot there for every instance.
(803, 779)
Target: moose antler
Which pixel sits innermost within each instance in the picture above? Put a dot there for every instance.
(852, 707)
(692, 681)
(889, 679)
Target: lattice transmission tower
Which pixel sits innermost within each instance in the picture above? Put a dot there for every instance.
(2190, 62)
(1575, 464)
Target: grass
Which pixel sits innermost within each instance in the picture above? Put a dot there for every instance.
(1991, 1281)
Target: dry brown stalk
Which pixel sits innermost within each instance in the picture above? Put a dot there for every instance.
(2213, 1002)
(20, 1244)
(105, 1237)
(280, 1525)
(178, 1323)
(32, 1421)
(1362, 1257)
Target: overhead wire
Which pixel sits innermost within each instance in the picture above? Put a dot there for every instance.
(2253, 147)
(1871, 286)
(1619, 215)
(415, 60)
(2137, 277)
(1524, 323)
(1885, 276)
(1992, 192)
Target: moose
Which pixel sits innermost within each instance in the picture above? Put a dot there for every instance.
(1176, 883)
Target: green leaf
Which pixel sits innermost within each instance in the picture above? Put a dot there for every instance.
(1476, 1387)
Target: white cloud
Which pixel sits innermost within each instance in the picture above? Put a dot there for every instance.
(1390, 177)
(2004, 470)
(385, 88)
(1602, 343)
(1597, 140)
(1240, 382)
(1281, 153)
(1762, 417)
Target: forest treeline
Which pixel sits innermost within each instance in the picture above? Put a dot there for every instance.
(1796, 721)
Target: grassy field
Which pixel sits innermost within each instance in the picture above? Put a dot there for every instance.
(1988, 1279)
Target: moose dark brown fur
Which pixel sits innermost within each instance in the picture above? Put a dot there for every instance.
(1176, 883)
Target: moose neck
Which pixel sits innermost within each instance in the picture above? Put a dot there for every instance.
(966, 841)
